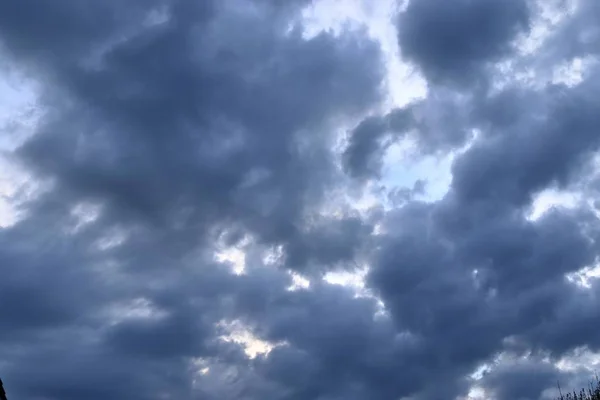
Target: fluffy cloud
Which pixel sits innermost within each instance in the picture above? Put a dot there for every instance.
(177, 137)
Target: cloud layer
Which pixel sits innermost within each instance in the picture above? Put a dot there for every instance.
(186, 188)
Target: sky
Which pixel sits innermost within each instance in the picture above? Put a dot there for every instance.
(299, 200)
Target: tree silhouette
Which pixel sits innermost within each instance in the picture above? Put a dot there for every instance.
(591, 393)
(2, 392)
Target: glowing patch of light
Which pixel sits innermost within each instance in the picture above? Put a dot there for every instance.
(355, 280)
(579, 359)
(298, 282)
(84, 213)
(366, 202)
(115, 237)
(17, 109)
(584, 276)
(331, 15)
(200, 366)
(239, 334)
(18, 117)
(549, 198)
(403, 84)
(139, 308)
(550, 14)
(157, 17)
(573, 72)
(477, 393)
(400, 171)
(10, 180)
(234, 255)
(378, 18)
(272, 256)
(527, 70)
(480, 371)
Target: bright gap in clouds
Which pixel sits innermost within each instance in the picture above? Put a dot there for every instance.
(403, 84)
(235, 256)
(17, 120)
(402, 81)
(404, 168)
(549, 198)
(236, 332)
(140, 308)
(399, 171)
(403, 87)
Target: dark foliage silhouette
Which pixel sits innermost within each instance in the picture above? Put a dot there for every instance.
(591, 393)
(2, 392)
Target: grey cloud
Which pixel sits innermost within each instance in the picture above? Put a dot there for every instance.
(36, 271)
(50, 370)
(544, 149)
(335, 348)
(470, 274)
(465, 281)
(332, 241)
(456, 41)
(576, 36)
(522, 380)
(439, 123)
(171, 107)
(190, 125)
(369, 140)
(178, 119)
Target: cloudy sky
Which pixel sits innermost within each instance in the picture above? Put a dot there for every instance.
(299, 200)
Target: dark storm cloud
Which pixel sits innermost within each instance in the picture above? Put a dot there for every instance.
(37, 267)
(470, 271)
(178, 120)
(335, 347)
(480, 271)
(546, 147)
(331, 241)
(470, 276)
(190, 125)
(192, 121)
(456, 41)
(462, 279)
